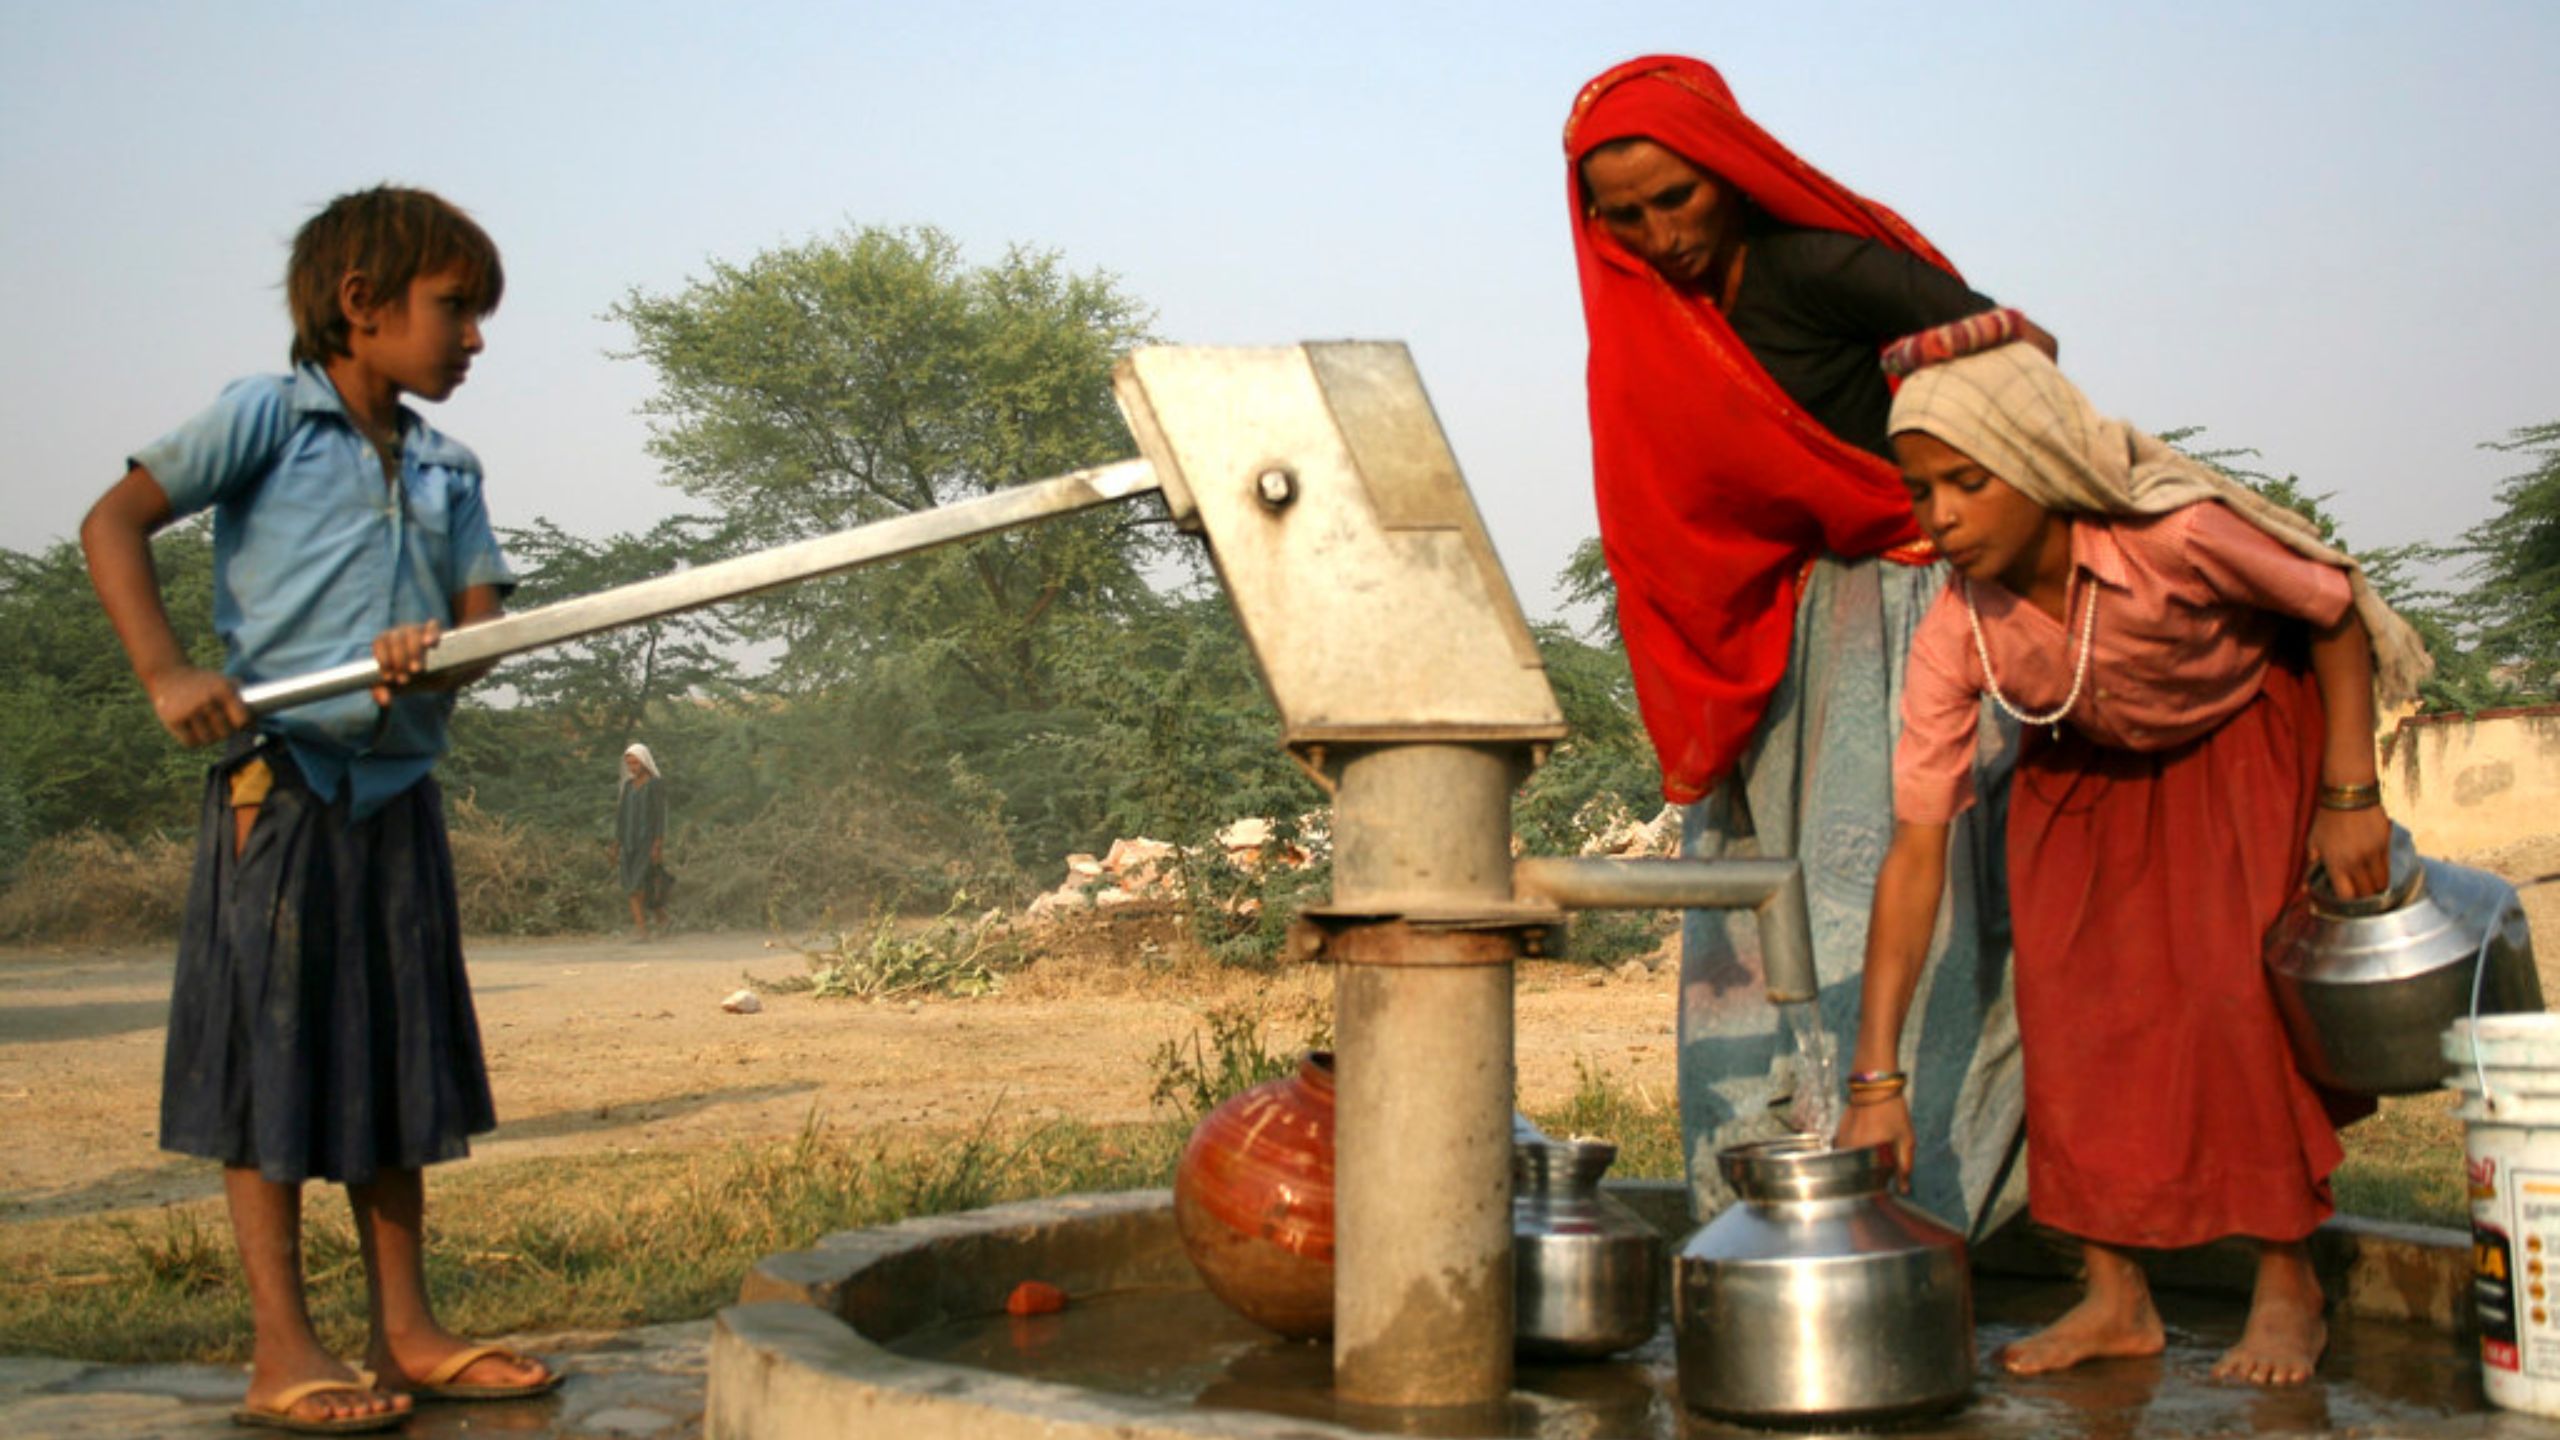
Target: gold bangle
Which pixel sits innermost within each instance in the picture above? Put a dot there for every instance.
(1860, 1103)
(2351, 797)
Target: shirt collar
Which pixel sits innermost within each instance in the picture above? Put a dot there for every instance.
(2095, 548)
(314, 394)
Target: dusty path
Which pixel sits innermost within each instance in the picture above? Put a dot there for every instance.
(595, 1045)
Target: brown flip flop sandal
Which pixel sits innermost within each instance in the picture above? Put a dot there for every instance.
(439, 1384)
(279, 1416)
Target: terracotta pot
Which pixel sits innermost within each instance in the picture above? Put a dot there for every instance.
(1253, 1197)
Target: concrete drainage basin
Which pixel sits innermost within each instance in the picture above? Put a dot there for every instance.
(901, 1331)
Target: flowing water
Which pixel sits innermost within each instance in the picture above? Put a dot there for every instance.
(1814, 1108)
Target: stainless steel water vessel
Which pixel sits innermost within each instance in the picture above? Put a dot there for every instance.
(2367, 986)
(1587, 1271)
(1820, 1297)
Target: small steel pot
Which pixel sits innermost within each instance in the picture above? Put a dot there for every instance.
(1587, 1271)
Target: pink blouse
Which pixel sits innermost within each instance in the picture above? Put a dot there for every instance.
(2187, 607)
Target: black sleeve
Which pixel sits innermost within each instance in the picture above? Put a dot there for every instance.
(1858, 289)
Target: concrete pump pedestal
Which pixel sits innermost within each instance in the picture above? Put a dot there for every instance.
(812, 1352)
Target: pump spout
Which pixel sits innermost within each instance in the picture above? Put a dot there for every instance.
(1773, 890)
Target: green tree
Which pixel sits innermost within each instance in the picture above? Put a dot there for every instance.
(873, 374)
(1604, 769)
(603, 685)
(78, 742)
(1585, 583)
(2511, 613)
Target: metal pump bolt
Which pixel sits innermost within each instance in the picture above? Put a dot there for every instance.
(1275, 487)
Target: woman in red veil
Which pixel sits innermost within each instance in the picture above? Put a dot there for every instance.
(1769, 576)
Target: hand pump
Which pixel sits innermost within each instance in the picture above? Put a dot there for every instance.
(1409, 686)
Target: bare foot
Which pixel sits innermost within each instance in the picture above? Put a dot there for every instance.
(2094, 1329)
(2286, 1333)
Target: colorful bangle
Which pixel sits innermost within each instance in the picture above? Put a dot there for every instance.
(2351, 797)
(1953, 340)
(1874, 1087)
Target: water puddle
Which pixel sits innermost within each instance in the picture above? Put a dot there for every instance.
(1183, 1347)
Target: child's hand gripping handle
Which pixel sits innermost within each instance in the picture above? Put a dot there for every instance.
(402, 657)
(198, 706)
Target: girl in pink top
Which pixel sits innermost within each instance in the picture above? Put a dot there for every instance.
(2195, 674)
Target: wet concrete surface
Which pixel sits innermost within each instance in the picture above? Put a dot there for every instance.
(2379, 1378)
(642, 1384)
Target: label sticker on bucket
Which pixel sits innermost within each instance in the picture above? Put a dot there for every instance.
(2515, 1272)
(2493, 1295)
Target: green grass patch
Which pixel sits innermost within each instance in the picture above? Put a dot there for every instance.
(609, 1241)
(1233, 1048)
(2405, 1164)
(538, 1245)
(1645, 1127)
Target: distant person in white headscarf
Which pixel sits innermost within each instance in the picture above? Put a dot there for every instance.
(640, 839)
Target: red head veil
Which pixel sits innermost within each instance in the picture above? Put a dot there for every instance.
(1715, 489)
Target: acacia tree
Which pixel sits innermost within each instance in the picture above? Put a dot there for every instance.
(603, 685)
(872, 374)
(2493, 640)
(2511, 613)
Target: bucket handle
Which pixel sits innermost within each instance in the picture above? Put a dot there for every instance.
(2480, 973)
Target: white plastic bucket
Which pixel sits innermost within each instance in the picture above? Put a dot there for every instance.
(2508, 1070)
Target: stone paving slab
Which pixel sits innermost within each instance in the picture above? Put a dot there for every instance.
(644, 1384)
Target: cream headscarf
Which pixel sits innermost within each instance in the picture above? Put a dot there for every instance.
(647, 761)
(2011, 411)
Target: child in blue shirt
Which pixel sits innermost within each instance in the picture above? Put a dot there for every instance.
(321, 1024)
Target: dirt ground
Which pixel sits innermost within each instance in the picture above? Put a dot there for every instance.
(599, 1046)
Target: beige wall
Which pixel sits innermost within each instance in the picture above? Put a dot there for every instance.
(2467, 784)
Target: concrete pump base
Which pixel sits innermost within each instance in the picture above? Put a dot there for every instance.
(805, 1352)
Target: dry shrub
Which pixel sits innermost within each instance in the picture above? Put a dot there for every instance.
(847, 851)
(90, 888)
(844, 851)
(512, 879)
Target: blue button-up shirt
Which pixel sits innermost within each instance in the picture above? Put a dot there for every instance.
(314, 555)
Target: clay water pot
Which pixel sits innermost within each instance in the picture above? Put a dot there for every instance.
(1253, 1198)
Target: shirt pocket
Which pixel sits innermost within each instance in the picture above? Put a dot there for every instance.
(430, 495)
(426, 561)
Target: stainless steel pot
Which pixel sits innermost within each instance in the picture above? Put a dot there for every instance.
(2367, 986)
(1587, 1271)
(1820, 1297)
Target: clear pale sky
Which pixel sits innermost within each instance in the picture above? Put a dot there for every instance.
(2324, 230)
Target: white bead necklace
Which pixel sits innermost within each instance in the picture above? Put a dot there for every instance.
(2079, 671)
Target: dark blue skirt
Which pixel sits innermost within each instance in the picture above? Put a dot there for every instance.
(321, 1025)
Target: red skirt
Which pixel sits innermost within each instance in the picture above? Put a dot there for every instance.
(2163, 1104)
